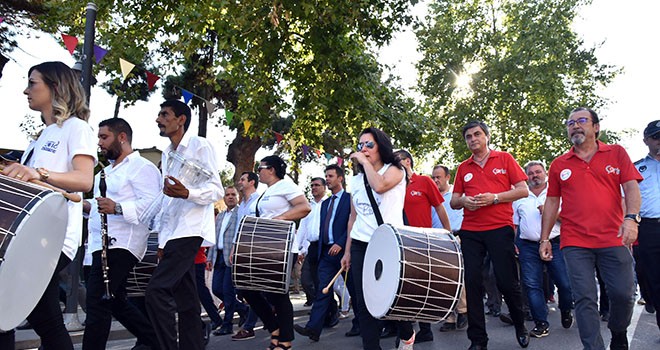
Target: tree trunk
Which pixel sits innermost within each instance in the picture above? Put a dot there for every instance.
(241, 153)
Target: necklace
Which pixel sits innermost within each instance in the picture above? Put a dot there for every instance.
(480, 161)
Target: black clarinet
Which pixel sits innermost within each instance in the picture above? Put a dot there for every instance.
(105, 240)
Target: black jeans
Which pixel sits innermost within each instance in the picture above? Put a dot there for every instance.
(369, 326)
(309, 277)
(498, 243)
(282, 319)
(172, 290)
(100, 311)
(649, 253)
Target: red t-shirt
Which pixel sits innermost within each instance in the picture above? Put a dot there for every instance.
(421, 195)
(499, 174)
(591, 195)
(201, 256)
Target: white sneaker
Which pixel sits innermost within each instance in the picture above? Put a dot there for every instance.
(407, 344)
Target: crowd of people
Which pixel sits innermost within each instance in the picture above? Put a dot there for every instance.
(518, 228)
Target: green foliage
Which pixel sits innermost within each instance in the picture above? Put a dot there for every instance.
(525, 67)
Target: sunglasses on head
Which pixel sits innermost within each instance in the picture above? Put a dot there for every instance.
(261, 167)
(368, 144)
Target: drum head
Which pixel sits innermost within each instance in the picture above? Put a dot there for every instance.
(31, 258)
(380, 277)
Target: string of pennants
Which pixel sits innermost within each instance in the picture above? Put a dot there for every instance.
(71, 42)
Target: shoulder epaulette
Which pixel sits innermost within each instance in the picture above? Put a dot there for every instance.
(639, 161)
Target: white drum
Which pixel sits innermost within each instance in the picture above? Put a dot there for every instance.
(33, 223)
(412, 274)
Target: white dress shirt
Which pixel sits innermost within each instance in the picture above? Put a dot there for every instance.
(194, 217)
(527, 216)
(310, 226)
(133, 183)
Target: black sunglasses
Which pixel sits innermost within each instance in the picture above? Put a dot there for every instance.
(369, 144)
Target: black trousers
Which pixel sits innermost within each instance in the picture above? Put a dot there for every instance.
(309, 277)
(172, 290)
(369, 326)
(649, 253)
(498, 243)
(282, 319)
(100, 311)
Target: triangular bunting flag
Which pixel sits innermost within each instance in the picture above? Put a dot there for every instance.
(99, 53)
(292, 144)
(2, 19)
(126, 67)
(328, 156)
(305, 150)
(187, 95)
(151, 79)
(246, 125)
(340, 161)
(70, 42)
(278, 137)
(229, 116)
(210, 108)
(318, 153)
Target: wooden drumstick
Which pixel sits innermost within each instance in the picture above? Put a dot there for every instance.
(74, 197)
(326, 290)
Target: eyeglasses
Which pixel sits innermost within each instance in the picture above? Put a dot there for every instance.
(261, 167)
(317, 185)
(570, 123)
(369, 144)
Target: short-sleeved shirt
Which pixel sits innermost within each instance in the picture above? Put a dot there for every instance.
(649, 167)
(54, 150)
(275, 199)
(421, 194)
(499, 174)
(591, 211)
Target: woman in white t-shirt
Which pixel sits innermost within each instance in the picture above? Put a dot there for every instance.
(64, 155)
(387, 180)
(282, 200)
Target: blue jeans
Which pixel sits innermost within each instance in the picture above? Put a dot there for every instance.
(616, 269)
(531, 267)
(223, 288)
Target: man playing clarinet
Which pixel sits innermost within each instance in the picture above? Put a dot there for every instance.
(116, 238)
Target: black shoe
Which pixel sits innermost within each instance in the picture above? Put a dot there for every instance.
(447, 327)
(388, 332)
(649, 308)
(353, 332)
(222, 331)
(423, 336)
(541, 330)
(478, 347)
(619, 341)
(494, 313)
(461, 321)
(522, 336)
(506, 318)
(306, 332)
(566, 319)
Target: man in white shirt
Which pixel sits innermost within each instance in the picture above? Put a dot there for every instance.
(527, 216)
(132, 182)
(187, 221)
(308, 239)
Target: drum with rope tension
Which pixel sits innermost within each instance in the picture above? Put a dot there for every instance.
(33, 223)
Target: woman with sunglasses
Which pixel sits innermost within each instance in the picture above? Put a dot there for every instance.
(387, 181)
(64, 155)
(282, 200)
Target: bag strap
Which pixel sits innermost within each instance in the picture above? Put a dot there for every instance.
(374, 206)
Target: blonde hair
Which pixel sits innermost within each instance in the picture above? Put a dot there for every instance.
(68, 96)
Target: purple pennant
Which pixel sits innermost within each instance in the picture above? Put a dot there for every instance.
(187, 95)
(99, 53)
(2, 19)
(305, 149)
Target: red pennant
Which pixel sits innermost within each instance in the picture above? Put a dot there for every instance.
(151, 79)
(278, 136)
(70, 42)
(318, 153)
(340, 161)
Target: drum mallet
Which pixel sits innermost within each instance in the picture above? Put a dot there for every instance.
(326, 290)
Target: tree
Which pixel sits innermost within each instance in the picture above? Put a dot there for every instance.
(516, 64)
(308, 62)
(15, 13)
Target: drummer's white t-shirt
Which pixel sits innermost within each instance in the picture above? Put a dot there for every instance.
(275, 199)
(390, 204)
(54, 150)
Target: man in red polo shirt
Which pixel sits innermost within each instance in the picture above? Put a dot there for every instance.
(421, 195)
(485, 185)
(597, 234)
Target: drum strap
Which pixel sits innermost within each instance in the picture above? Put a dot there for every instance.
(374, 206)
(256, 207)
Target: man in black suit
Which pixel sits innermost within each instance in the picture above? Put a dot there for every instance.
(335, 211)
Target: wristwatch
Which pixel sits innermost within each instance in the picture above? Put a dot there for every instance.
(496, 199)
(118, 210)
(634, 217)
